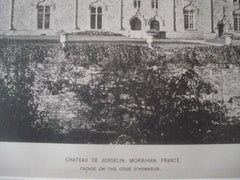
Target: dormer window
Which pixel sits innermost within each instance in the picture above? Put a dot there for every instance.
(155, 4)
(136, 3)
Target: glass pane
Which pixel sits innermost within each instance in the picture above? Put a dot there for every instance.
(135, 3)
(238, 22)
(40, 22)
(154, 25)
(47, 9)
(235, 22)
(40, 9)
(139, 3)
(40, 17)
(93, 10)
(99, 22)
(93, 21)
(189, 19)
(47, 21)
(186, 21)
(136, 24)
(99, 10)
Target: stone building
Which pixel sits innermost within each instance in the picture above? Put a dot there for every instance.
(187, 19)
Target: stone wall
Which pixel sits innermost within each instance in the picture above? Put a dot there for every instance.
(226, 80)
(63, 16)
(5, 15)
(64, 109)
(25, 17)
(164, 14)
(111, 14)
(202, 19)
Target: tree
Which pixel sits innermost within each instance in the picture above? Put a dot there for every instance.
(139, 99)
(18, 111)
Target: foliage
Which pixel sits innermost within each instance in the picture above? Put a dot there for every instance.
(151, 107)
(18, 110)
(111, 93)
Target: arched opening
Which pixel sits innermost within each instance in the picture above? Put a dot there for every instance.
(136, 24)
(220, 29)
(154, 25)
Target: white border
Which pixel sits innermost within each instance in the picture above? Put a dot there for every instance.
(49, 161)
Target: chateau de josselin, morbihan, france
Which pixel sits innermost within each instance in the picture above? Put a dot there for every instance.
(185, 19)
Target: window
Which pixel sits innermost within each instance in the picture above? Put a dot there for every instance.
(43, 17)
(136, 24)
(154, 25)
(236, 22)
(155, 4)
(96, 18)
(189, 19)
(137, 3)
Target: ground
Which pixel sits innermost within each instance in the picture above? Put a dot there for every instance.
(165, 43)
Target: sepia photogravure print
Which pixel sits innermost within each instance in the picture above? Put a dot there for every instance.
(120, 71)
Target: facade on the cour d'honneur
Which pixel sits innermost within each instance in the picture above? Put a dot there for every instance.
(185, 19)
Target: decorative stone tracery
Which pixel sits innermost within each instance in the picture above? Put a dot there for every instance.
(50, 3)
(99, 3)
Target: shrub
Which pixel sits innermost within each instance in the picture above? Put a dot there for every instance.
(125, 93)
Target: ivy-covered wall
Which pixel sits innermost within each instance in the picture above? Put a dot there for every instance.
(126, 93)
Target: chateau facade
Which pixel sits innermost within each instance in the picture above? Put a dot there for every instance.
(187, 19)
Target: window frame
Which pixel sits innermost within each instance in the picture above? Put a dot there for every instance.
(155, 4)
(137, 3)
(236, 1)
(96, 18)
(189, 20)
(45, 16)
(236, 22)
(137, 25)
